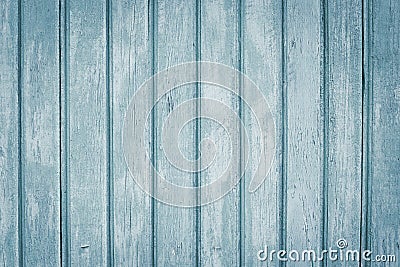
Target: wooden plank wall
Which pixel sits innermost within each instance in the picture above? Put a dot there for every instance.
(329, 69)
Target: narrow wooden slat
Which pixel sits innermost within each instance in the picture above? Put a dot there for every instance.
(40, 133)
(220, 224)
(304, 127)
(131, 61)
(343, 81)
(9, 130)
(384, 107)
(262, 60)
(175, 40)
(88, 133)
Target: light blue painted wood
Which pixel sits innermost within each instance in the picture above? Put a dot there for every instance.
(131, 66)
(9, 131)
(176, 228)
(220, 221)
(262, 62)
(66, 196)
(40, 132)
(343, 123)
(304, 126)
(88, 138)
(383, 154)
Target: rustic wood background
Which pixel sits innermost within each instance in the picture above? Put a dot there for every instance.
(330, 70)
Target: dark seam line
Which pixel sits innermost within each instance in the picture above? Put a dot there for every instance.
(21, 209)
(109, 115)
(242, 197)
(283, 183)
(153, 28)
(367, 105)
(362, 163)
(197, 176)
(60, 180)
(325, 101)
(65, 218)
(369, 123)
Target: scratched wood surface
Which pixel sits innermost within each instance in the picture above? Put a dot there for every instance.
(9, 134)
(304, 134)
(343, 123)
(329, 69)
(175, 228)
(88, 138)
(131, 65)
(383, 152)
(263, 215)
(40, 150)
(220, 233)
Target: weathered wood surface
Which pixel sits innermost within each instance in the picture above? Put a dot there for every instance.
(304, 120)
(220, 235)
(39, 195)
(343, 123)
(131, 46)
(9, 134)
(263, 216)
(382, 229)
(88, 137)
(69, 68)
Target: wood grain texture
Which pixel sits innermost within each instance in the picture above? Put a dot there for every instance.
(9, 131)
(304, 126)
(88, 133)
(220, 223)
(69, 68)
(175, 227)
(343, 123)
(131, 66)
(383, 231)
(262, 62)
(40, 133)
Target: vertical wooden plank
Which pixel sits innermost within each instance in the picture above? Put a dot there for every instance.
(9, 131)
(40, 133)
(262, 62)
(220, 224)
(343, 83)
(131, 60)
(175, 42)
(88, 133)
(384, 109)
(304, 126)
